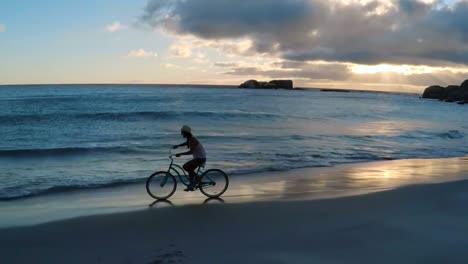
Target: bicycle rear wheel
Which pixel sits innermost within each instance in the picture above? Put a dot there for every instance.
(214, 183)
(161, 185)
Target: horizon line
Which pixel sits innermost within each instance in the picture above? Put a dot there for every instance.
(212, 85)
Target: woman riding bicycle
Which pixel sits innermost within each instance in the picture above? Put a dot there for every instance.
(199, 155)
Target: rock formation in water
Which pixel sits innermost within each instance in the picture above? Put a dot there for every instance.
(275, 84)
(451, 93)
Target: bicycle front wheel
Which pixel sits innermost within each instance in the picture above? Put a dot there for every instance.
(161, 185)
(214, 183)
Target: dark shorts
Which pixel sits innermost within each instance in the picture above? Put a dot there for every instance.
(196, 162)
(200, 161)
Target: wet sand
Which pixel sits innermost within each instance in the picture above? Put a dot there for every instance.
(301, 184)
(415, 224)
(284, 217)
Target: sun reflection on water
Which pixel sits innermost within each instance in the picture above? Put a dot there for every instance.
(388, 128)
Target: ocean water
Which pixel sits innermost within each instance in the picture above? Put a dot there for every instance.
(60, 138)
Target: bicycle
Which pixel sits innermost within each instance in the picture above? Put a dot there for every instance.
(162, 185)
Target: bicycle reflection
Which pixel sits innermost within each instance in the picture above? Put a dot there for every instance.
(161, 203)
(167, 203)
(213, 201)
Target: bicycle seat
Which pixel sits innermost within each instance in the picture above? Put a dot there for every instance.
(203, 165)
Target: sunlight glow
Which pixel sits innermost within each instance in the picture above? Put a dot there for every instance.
(382, 68)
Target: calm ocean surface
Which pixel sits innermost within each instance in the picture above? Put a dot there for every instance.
(59, 138)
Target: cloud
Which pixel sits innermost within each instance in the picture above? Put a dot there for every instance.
(226, 64)
(200, 58)
(181, 49)
(2, 28)
(442, 77)
(115, 26)
(354, 31)
(316, 71)
(141, 53)
(186, 46)
(321, 72)
(169, 65)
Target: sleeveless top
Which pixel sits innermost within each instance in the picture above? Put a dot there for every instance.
(199, 151)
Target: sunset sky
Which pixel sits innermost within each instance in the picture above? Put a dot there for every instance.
(393, 45)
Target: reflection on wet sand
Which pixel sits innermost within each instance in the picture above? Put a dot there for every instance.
(301, 184)
(353, 179)
(214, 201)
(161, 203)
(168, 203)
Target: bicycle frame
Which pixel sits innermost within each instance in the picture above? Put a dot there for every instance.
(208, 179)
(173, 165)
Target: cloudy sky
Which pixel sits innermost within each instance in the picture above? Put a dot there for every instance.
(396, 45)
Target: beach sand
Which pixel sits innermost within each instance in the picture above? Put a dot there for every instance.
(422, 223)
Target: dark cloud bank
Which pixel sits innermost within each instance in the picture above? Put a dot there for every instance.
(302, 32)
(410, 32)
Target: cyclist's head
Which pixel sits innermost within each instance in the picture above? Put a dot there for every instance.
(185, 131)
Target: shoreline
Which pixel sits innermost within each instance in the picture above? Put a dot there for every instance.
(216, 86)
(58, 190)
(300, 184)
(415, 224)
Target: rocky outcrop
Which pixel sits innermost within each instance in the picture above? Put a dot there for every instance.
(275, 84)
(250, 84)
(284, 84)
(269, 85)
(464, 88)
(434, 92)
(451, 93)
(335, 90)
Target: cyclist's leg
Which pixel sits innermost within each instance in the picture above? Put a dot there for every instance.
(190, 167)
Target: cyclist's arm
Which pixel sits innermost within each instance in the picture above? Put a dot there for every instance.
(190, 152)
(182, 145)
(185, 153)
(193, 145)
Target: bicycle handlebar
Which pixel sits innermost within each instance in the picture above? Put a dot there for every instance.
(171, 156)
